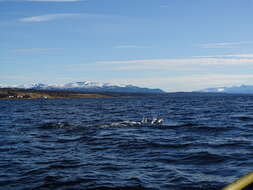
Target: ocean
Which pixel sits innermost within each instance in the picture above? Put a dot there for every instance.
(205, 143)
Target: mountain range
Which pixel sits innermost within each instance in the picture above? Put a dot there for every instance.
(88, 86)
(243, 89)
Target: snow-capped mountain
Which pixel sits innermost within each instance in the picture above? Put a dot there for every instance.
(243, 89)
(88, 86)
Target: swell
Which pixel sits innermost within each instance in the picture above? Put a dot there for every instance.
(205, 143)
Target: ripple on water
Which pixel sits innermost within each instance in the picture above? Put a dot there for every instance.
(205, 143)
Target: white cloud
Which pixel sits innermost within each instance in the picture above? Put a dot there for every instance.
(164, 6)
(36, 50)
(234, 56)
(49, 17)
(240, 55)
(224, 45)
(130, 47)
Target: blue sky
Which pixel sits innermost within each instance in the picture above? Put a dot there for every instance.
(176, 45)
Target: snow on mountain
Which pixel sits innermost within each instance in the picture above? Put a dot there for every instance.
(85, 84)
(2, 86)
(243, 89)
(89, 86)
(15, 86)
(40, 85)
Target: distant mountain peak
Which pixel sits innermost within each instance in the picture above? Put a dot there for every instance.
(242, 89)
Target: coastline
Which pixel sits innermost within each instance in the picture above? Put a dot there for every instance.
(19, 94)
(22, 94)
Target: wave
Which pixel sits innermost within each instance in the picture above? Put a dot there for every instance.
(202, 158)
(242, 117)
(132, 124)
(53, 125)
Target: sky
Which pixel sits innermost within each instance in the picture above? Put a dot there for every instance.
(175, 45)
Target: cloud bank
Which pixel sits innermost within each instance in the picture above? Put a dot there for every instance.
(182, 63)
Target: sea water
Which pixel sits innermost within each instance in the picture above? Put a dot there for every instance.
(205, 142)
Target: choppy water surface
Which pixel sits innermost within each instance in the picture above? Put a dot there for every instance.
(81, 144)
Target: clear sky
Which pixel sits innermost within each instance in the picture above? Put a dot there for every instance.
(176, 45)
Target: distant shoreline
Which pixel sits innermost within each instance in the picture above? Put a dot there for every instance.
(19, 94)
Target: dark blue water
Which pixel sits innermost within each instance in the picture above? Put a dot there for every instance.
(206, 143)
